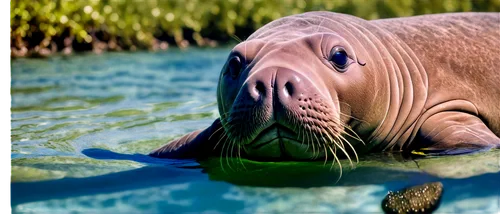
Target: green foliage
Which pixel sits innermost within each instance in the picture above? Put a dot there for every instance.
(132, 24)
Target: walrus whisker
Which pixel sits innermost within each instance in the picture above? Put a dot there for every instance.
(350, 116)
(334, 135)
(340, 165)
(328, 134)
(301, 134)
(220, 157)
(356, 137)
(231, 156)
(332, 131)
(236, 38)
(226, 145)
(306, 132)
(323, 139)
(224, 118)
(215, 132)
(318, 142)
(333, 153)
(345, 126)
(330, 139)
(336, 159)
(312, 144)
(232, 150)
(227, 154)
(343, 150)
(341, 137)
(350, 145)
(225, 149)
(326, 156)
(239, 157)
(229, 159)
(304, 140)
(224, 135)
(338, 145)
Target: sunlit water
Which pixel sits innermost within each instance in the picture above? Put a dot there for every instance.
(81, 127)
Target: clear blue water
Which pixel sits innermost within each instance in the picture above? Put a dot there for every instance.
(81, 127)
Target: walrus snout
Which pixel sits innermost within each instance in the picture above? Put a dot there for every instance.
(279, 86)
(279, 111)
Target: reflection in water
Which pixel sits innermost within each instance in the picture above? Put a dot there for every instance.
(304, 174)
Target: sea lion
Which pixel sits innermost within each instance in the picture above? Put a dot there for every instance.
(321, 85)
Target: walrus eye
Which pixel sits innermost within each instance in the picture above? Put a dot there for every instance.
(234, 66)
(339, 59)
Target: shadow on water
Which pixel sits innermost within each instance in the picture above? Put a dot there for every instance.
(158, 172)
(103, 154)
(391, 174)
(113, 182)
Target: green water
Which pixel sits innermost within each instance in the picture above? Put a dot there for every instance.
(81, 127)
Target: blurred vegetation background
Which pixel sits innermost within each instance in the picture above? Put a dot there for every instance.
(43, 27)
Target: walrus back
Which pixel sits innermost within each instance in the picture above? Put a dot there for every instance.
(461, 56)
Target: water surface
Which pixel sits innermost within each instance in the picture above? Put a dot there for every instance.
(81, 127)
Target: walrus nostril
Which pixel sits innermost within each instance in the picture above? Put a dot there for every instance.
(261, 89)
(289, 88)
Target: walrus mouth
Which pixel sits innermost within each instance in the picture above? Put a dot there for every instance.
(271, 134)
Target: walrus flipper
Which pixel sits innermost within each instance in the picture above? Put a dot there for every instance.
(456, 133)
(196, 144)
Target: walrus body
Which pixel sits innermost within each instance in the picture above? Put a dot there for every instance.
(323, 85)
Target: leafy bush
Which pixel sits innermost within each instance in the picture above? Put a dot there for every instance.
(55, 25)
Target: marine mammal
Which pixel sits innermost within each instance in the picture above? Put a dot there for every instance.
(322, 85)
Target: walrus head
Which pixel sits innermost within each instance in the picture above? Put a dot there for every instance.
(288, 90)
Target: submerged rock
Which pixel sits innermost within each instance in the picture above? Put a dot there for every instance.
(417, 199)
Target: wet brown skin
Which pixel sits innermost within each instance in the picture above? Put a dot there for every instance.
(425, 83)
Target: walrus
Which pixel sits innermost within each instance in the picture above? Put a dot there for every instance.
(324, 85)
